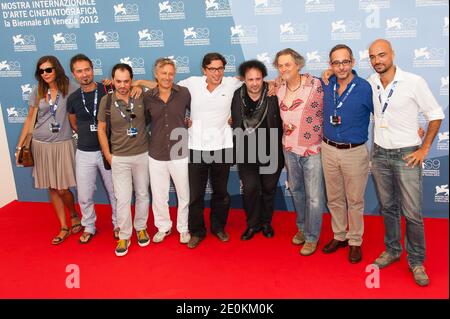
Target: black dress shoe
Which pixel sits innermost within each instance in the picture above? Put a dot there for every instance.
(249, 233)
(223, 236)
(268, 231)
(355, 254)
(333, 245)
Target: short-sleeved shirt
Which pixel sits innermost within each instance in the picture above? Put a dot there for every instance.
(410, 96)
(166, 117)
(87, 139)
(121, 143)
(45, 118)
(354, 112)
(210, 112)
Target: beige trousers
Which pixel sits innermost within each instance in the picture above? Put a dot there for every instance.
(346, 173)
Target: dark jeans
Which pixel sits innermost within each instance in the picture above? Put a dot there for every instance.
(199, 172)
(259, 194)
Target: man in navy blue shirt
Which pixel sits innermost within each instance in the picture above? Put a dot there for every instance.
(82, 106)
(345, 157)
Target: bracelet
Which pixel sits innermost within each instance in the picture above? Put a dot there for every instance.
(18, 148)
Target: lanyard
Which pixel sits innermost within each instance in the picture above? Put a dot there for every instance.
(341, 103)
(128, 119)
(53, 107)
(94, 110)
(388, 98)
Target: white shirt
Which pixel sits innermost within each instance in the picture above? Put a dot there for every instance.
(210, 112)
(410, 97)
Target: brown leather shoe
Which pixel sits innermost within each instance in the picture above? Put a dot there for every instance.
(194, 241)
(223, 236)
(333, 245)
(355, 254)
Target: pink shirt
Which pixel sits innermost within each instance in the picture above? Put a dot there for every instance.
(302, 121)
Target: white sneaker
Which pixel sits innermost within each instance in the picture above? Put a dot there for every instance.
(185, 237)
(159, 236)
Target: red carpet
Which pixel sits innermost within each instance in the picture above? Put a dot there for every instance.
(261, 268)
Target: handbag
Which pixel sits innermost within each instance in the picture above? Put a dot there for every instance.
(25, 158)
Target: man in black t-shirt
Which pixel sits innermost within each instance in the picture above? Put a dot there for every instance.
(82, 106)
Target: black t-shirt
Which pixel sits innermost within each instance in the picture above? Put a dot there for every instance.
(87, 140)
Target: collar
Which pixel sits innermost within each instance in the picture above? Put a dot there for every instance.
(116, 98)
(309, 81)
(356, 79)
(205, 84)
(97, 85)
(155, 91)
(399, 76)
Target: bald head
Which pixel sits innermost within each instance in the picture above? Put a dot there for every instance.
(381, 55)
(381, 43)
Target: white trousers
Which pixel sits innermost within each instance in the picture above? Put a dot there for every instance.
(160, 174)
(129, 172)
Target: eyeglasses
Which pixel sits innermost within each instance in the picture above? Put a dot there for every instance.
(46, 70)
(343, 63)
(214, 70)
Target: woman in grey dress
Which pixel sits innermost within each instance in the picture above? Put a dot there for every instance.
(52, 146)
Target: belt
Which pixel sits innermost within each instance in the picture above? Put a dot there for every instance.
(341, 145)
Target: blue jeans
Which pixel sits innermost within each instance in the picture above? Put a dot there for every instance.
(305, 177)
(399, 190)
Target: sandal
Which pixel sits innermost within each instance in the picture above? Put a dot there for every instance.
(86, 237)
(58, 240)
(76, 228)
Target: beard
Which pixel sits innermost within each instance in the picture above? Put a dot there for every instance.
(384, 68)
(87, 81)
(123, 91)
(254, 90)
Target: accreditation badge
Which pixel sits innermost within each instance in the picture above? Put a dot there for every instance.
(383, 123)
(54, 127)
(132, 132)
(335, 120)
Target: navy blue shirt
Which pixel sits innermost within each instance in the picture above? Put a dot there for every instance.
(87, 140)
(354, 112)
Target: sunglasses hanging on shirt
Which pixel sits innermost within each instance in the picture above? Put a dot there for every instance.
(129, 108)
(131, 111)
